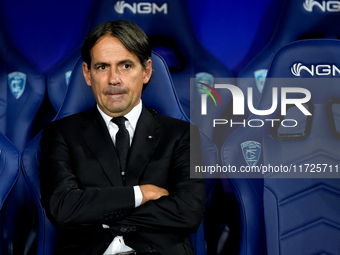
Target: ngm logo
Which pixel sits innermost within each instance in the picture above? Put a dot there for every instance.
(324, 6)
(141, 8)
(315, 70)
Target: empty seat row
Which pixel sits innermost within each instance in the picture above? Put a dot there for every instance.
(287, 203)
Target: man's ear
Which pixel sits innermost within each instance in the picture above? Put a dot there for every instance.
(87, 75)
(147, 71)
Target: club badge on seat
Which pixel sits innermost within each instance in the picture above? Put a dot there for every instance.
(17, 83)
(251, 152)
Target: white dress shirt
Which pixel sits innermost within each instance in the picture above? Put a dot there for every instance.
(118, 244)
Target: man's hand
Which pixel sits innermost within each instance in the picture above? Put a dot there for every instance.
(152, 192)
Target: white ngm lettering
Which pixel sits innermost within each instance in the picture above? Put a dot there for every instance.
(315, 70)
(324, 6)
(141, 8)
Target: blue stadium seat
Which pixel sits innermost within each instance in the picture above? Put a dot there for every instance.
(79, 96)
(300, 211)
(45, 238)
(22, 93)
(159, 95)
(298, 20)
(59, 78)
(219, 203)
(218, 103)
(243, 148)
(9, 174)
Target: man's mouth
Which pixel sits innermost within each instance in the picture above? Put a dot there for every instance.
(115, 91)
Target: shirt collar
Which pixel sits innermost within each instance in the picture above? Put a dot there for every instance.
(131, 116)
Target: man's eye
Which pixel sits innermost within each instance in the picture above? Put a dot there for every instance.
(101, 67)
(126, 66)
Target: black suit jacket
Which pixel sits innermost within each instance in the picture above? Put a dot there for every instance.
(82, 188)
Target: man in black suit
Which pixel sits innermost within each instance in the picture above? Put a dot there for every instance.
(100, 200)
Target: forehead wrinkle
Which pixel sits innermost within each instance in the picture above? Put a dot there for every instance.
(101, 63)
(126, 61)
(108, 49)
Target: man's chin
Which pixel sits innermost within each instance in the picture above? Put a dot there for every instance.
(118, 109)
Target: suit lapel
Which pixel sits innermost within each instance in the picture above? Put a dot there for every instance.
(98, 140)
(145, 140)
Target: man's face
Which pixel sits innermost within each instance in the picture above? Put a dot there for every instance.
(116, 76)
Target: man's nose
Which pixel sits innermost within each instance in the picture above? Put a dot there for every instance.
(114, 77)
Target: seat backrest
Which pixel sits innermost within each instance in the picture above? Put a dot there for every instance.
(23, 91)
(301, 201)
(9, 174)
(303, 19)
(59, 78)
(208, 103)
(241, 152)
(159, 94)
(30, 163)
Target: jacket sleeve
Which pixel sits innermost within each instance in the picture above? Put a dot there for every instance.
(181, 211)
(66, 202)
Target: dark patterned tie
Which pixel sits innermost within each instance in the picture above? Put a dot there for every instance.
(122, 142)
